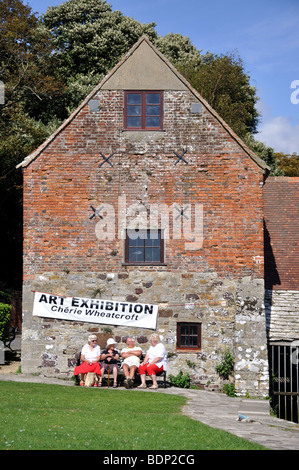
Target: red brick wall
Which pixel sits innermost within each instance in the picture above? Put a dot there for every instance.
(63, 182)
(281, 206)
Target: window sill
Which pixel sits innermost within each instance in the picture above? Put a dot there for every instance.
(187, 350)
(149, 132)
(144, 264)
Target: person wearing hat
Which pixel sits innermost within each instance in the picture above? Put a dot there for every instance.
(109, 358)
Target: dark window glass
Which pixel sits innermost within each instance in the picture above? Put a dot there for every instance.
(133, 121)
(134, 98)
(144, 246)
(153, 98)
(134, 110)
(143, 110)
(189, 335)
(152, 121)
(153, 110)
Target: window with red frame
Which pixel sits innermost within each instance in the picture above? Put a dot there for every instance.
(144, 247)
(143, 110)
(188, 335)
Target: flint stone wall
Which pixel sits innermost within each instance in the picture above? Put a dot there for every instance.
(50, 346)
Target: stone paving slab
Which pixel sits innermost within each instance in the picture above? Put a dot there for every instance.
(216, 410)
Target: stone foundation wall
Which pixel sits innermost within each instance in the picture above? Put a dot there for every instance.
(251, 357)
(49, 346)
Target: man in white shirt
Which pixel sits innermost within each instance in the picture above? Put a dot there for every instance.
(131, 355)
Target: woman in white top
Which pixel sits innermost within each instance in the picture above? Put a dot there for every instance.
(90, 356)
(154, 362)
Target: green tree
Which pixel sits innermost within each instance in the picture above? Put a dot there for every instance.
(5, 312)
(179, 50)
(288, 164)
(222, 81)
(20, 135)
(26, 63)
(89, 40)
(265, 152)
(27, 71)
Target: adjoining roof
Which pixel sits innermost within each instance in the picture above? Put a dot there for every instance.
(184, 83)
(281, 210)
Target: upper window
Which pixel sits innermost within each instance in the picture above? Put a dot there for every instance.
(143, 110)
(144, 247)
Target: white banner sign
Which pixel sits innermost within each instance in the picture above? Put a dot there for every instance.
(109, 312)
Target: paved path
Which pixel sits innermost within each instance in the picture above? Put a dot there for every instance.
(222, 412)
(218, 411)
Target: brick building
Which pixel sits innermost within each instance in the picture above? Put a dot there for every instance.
(145, 151)
(281, 213)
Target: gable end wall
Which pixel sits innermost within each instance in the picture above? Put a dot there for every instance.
(219, 283)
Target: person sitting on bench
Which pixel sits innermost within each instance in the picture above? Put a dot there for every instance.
(154, 362)
(109, 359)
(131, 355)
(90, 356)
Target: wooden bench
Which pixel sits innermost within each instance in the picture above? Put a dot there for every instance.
(11, 336)
(159, 374)
(162, 374)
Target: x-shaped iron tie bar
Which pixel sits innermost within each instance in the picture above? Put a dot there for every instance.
(106, 159)
(96, 212)
(180, 157)
(181, 212)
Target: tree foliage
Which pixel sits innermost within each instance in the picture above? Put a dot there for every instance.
(179, 50)
(90, 39)
(89, 36)
(265, 152)
(288, 164)
(27, 71)
(5, 313)
(26, 64)
(222, 81)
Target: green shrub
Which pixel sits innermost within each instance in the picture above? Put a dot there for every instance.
(5, 311)
(5, 293)
(181, 380)
(229, 390)
(226, 366)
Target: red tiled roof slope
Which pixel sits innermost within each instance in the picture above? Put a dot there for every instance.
(281, 212)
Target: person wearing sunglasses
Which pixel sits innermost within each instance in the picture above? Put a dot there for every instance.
(90, 357)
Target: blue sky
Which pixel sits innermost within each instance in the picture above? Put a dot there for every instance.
(265, 33)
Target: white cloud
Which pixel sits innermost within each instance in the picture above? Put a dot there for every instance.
(278, 133)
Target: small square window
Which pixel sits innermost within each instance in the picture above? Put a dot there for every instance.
(188, 335)
(143, 110)
(144, 247)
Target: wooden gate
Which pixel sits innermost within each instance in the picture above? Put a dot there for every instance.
(284, 380)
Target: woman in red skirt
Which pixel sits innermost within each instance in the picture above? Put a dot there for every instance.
(90, 356)
(155, 361)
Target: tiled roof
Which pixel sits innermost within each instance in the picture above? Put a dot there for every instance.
(281, 212)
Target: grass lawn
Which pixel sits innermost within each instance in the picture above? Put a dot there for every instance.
(54, 417)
